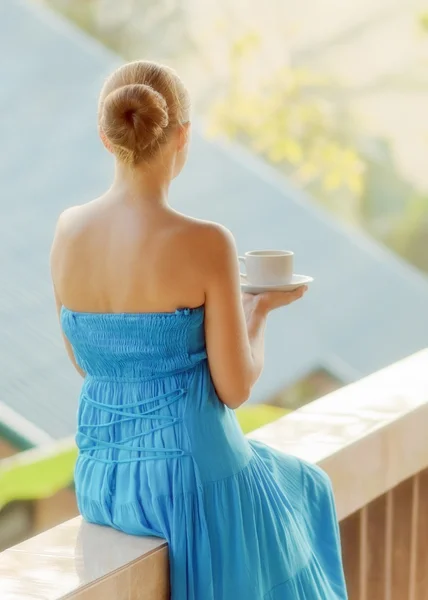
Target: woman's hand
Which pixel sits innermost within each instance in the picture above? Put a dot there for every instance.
(268, 301)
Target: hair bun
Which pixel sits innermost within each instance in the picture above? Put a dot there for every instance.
(134, 117)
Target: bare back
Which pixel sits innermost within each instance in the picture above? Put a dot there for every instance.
(116, 255)
(111, 256)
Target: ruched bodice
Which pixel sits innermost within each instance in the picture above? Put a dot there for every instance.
(160, 454)
(136, 346)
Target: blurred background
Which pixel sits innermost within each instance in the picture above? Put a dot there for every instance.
(310, 133)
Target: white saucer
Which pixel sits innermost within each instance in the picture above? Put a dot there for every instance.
(296, 282)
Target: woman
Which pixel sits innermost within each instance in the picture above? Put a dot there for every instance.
(150, 306)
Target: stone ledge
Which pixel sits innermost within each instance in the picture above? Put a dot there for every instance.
(368, 436)
(80, 561)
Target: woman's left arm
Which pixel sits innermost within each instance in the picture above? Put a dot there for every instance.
(67, 344)
(53, 257)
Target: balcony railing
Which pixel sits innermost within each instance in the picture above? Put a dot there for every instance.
(371, 437)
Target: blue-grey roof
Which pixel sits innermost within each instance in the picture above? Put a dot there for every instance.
(366, 309)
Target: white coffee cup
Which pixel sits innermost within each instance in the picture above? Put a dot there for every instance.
(268, 267)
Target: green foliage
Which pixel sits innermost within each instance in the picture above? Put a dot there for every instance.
(255, 416)
(81, 12)
(290, 116)
(37, 473)
(132, 29)
(284, 119)
(423, 21)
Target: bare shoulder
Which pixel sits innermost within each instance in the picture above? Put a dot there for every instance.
(72, 220)
(73, 224)
(210, 238)
(210, 248)
(216, 234)
(69, 232)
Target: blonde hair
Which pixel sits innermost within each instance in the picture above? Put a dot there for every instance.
(140, 104)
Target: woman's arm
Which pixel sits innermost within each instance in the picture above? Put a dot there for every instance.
(66, 342)
(54, 259)
(234, 325)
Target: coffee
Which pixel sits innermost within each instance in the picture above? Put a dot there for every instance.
(268, 267)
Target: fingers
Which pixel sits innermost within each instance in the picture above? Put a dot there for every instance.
(301, 291)
(275, 300)
(289, 297)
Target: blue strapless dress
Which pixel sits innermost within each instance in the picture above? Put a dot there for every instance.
(160, 455)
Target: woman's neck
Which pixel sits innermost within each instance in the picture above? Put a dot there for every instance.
(145, 186)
